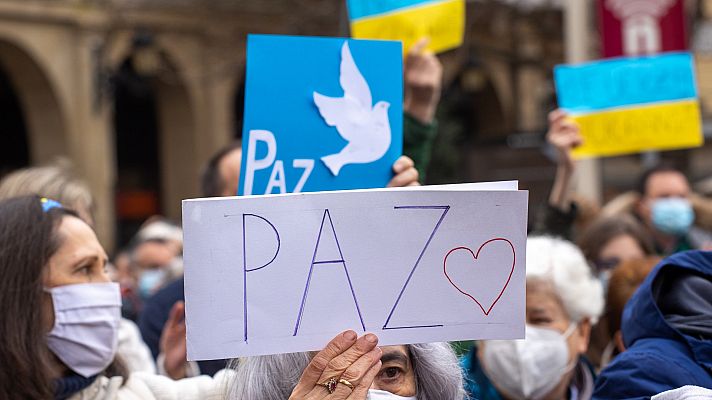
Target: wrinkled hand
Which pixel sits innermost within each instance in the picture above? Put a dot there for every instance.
(422, 76)
(564, 135)
(173, 342)
(357, 361)
(405, 173)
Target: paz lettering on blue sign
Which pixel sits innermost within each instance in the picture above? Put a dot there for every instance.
(320, 114)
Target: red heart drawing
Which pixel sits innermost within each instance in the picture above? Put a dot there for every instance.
(514, 261)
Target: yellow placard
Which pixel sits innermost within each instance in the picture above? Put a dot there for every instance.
(443, 22)
(667, 126)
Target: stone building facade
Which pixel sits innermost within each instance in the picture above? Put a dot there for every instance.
(61, 59)
(138, 94)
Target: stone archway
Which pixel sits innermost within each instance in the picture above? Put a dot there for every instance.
(14, 152)
(169, 110)
(44, 120)
(53, 70)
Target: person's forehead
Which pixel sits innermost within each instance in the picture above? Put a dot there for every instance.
(621, 241)
(396, 353)
(78, 240)
(667, 182)
(231, 161)
(542, 297)
(153, 251)
(150, 246)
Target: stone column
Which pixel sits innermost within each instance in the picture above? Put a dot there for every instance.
(92, 144)
(587, 181)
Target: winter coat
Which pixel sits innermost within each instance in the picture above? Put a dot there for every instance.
(144, 386)
(667, 332)
(132, 350)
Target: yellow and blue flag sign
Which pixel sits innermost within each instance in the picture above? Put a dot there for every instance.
(443, 21)
(629, 105)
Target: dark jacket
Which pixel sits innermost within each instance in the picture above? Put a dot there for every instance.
(552, 221)
(667, 331)
(154, 316)
(418, 141)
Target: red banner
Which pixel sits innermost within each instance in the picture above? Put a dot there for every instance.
(639, 27)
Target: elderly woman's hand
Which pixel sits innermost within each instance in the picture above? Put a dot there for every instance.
(344, 370)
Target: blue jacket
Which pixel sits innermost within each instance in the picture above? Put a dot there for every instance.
(667, 332)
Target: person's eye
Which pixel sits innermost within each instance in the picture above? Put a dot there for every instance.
(390, 373)
(541, 321)
(84, 270)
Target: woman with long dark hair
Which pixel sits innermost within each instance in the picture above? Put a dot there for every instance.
(59, 325)
(26, 238)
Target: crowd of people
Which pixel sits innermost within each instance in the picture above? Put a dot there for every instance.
(618, 301)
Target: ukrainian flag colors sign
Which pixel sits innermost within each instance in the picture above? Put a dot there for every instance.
(443, 21)
(629, 105)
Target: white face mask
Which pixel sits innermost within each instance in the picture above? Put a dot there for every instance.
(529, 368)
(86, 322)
(604, 277)
(374, 394)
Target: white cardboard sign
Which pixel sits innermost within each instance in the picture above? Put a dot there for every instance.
(286, 273)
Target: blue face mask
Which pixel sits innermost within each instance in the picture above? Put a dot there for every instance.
(673, 216)
(149, 281)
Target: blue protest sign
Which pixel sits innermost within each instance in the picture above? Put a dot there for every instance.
(320, 114)
(630, 81)
(367, 8)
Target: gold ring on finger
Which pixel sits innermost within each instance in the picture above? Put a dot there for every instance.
(330, 385)
(347, 384)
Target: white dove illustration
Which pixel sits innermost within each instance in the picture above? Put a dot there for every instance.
(364, 126)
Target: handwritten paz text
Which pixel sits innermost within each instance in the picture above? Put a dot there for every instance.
(285, 273)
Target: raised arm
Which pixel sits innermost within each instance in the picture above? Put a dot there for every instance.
(564, 136)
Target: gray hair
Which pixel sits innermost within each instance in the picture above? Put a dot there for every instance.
(271, 377)
(56, 181)
(438, 374)
(562, 264)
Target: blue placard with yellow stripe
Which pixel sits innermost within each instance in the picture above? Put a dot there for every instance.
(442, 21)
(360, 9)
(629, 105)
(625, 81)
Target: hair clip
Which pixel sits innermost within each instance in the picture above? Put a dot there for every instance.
(48, 204)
